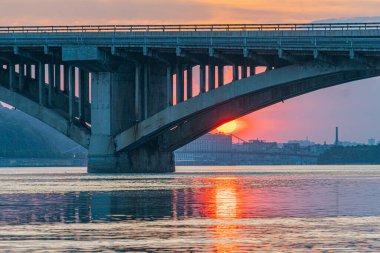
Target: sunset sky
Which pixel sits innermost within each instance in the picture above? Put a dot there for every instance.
(354, 107)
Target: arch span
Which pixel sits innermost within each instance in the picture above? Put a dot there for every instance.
(187, 121)
(46, 115)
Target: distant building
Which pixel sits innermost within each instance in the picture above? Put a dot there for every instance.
(293, 147)
(349, 143)
(303, 143)
(218, 149)
(371, 141)
(256, 146)
(209, 149)
(209, 143)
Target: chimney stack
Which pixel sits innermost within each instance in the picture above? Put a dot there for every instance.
(336, 136)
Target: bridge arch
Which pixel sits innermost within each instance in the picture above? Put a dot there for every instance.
(185, 122)
(46, 115)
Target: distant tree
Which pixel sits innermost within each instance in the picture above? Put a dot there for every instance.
(361, 154)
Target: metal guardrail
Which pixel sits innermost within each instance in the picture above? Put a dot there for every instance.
(191, 28)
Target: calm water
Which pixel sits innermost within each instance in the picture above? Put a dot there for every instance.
(236, 209)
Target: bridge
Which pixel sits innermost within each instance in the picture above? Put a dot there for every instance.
(132, 94)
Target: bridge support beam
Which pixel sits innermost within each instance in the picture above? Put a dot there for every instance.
(244, 73)
(252, 70)
(51, 84)
(28, 71)
(235, 73)
(57, 77)
(202, 79)
(169, 85)
(11, 70)
(83, 95)
(21, 77)
(220, 75)
(211, 75)
(66, 77)
(189, 81)
(179, 84)
(41, 84)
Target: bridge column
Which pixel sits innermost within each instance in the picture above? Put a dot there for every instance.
(36, 71)
(189, 81)
(71, 92)
(211, 76)
(146, 87)
(51, 83)
(157, 91)
(11, 71)
(169, 85)
(21, 76)
(179, 84)
(244, 73)
(57, 77)
(28, 71)
(235, 73)
(138, 96)
(202, 79)
(83, 94)
(41, 83)
(252, 70)
(66, 78)
(220, 75)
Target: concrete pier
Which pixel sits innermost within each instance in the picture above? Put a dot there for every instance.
(115, 107)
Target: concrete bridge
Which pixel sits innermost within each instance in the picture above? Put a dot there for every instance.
(130, 93)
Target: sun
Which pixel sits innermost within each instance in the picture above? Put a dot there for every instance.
(227, 128)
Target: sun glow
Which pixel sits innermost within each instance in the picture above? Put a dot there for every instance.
(228, 128)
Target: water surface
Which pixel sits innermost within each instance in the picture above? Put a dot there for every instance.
(202, 209)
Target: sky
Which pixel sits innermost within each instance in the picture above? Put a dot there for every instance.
(354, 107)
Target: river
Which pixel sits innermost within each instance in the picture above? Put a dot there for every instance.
(196, 209)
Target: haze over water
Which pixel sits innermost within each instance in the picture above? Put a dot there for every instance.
(202, 209)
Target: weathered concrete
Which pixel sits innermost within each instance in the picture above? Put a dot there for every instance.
(112, 112)
(108, 115)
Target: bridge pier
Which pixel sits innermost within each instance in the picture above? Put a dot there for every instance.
(113, 110)
(107, 111)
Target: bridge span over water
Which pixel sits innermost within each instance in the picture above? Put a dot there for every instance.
(134, 94)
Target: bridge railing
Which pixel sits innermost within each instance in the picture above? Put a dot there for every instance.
(191, 28)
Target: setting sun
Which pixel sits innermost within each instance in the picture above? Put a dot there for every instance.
(227, 128)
